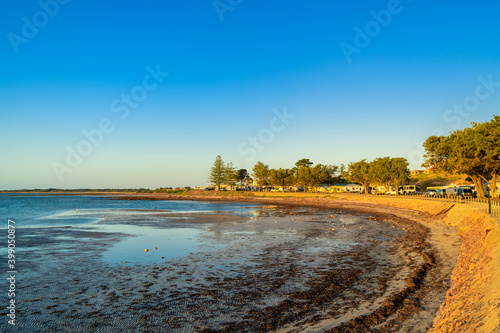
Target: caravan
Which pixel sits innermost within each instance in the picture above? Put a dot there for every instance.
(463, 191)
(410, 189)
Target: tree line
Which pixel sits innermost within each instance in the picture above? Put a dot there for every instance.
(473, 151)
(382, 171)
(303, 174)
(226, 174)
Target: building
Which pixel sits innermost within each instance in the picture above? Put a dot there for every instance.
(352, 188)
(430, 170)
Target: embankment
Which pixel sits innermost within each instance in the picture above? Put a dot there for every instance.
(473, 301)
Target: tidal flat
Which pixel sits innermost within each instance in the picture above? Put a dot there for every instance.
(281, 268)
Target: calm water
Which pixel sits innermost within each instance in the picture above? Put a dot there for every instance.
(81, 262)
(41, 210)
(92, 213)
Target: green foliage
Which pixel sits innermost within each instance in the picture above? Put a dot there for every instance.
(242, 175)
(281, 177)
(399, 172)
(305, 162)
(359, 172)
(261, 174)
(384, 171)
(473, 151)
(309, 176)
(217, 175)
(231, 175)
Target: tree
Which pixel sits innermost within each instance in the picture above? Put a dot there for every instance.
(280, 177)
(488, 141)
(248, 180)
(217, 175)
(304, 176)
(308, 176)
(398, 172)
(431, 156)
(359, 172)
(261, 174)
(380, 171)
(305, 162)
(242, 174)
(473, 151)
(334, 175)
(231, 175)
(463, 156)
(319, 174)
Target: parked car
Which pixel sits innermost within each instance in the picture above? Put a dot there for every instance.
(430, 193)
(410, 189)
(463, 192)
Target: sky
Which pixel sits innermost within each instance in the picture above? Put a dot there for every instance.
(146, 94)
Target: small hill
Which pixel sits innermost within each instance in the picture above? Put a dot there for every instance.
(438, 179)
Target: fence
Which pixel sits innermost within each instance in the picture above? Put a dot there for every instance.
(485, 205)
(488, 206)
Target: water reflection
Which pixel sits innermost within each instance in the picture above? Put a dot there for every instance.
(170, 244)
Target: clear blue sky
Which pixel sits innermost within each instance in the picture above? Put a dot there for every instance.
(67, 68)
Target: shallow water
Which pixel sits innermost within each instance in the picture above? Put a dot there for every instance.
(69, 210)
(81, 253)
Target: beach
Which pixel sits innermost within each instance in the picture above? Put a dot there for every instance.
(294, 267)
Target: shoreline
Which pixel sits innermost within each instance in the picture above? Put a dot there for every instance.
(472, 292)
(295, 266)
(441, 237)
(472, 301)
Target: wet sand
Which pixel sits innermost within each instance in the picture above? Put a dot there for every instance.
(273, 272)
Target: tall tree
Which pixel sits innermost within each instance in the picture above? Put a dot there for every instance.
(398, 172)
(319, 174)
(432, 155)
(488, 142)
(473, 151)
(248, 180)
(359, 172)
(261, 174)
(334, 175)
(231, 175)
(280, 177)
(305, 162)
(380, 171)
(304, 176)
(242, 174)
(217, 175)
